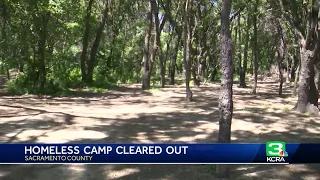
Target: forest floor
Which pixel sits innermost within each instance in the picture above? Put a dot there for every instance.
(127, 114)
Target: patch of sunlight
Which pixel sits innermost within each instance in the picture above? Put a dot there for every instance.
(270, 117)
(206, 128)
(204, 122)
(313, 130)
(154, 90)
(243, 111)
(77, 168)
(306, 114)
(117, 174)
(162, 138)
(286, 108)
(143, 138)
(16, 118)
(4, 174)
(234, 138)
(253, 174)
(240, 124)
(245, 168)
(67, 135)
(141, 108)
(310, 177)
(192, 138)
(27, 134)
(299, 167)
(265, 106)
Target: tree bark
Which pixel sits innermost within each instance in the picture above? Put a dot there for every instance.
(95, 46)
(296, 78)
(243, 69)
(255, 48)
(305, 78)
(281, 52)
(240, 68)
(203, 43)
(225, 97)
(158, 47)
(187, 47)
(85, 42)
(279, 61)
(146, 63)
(41, 50)
(174, 58)
(4, 37)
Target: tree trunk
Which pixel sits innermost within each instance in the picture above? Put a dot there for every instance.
(158, 47)
(196, 81)
(7, 72)
(293, 68)
(313, 91)
(288, 79)
(41, 50)
(305, 79)
(279, 60)
(85, 42)
(187, 47)
(146, 64)
(255, 48)
(174, 59)
(4, 47)
(203, 44)
(225, 97)
(240, 68)
(21, 64)
(296, 78)
(281, 52)
(95, 46)
(168, 51)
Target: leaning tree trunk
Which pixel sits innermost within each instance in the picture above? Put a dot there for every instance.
(225, 98)
(85, 42)
(95, 46)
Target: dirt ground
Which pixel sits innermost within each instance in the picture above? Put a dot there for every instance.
(129, 115)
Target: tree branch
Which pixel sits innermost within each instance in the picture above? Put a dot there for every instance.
(294, 26)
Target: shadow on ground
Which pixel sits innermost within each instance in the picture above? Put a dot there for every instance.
(46, 121)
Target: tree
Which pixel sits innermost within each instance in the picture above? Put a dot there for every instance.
(243, 68)
(147, 63)
(95, 46)
(255, 46)
(85, 42)
(225, 97)
(281, 52)
(298, 14)
(187, 36)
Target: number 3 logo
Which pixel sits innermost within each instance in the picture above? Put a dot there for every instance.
(274, 148)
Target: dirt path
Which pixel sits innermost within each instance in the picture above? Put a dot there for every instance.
(128, 115)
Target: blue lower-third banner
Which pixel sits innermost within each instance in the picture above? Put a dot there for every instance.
(270, 152)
